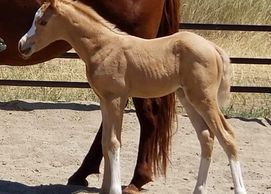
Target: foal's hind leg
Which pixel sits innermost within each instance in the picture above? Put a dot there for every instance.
(206, 139)
(205, 103)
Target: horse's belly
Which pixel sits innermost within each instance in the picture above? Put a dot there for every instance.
(149, 89)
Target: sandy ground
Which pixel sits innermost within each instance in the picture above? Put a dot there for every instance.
(42, 144)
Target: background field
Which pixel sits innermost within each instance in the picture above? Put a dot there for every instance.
(245, 44)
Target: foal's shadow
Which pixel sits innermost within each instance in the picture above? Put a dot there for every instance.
(8, 187)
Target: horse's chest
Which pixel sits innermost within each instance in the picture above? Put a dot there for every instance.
(106, 77)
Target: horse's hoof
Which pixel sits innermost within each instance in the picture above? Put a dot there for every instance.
(76, 181)
(131, 189)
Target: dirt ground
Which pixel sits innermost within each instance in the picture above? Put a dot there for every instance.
(43, 143)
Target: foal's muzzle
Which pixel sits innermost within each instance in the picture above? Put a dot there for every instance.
(24, 49)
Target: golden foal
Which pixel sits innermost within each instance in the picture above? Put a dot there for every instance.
(121, 66)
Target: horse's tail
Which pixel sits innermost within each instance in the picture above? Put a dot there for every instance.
(166, 113)
(225, 86)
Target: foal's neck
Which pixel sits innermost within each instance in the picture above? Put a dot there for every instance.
(87, 31)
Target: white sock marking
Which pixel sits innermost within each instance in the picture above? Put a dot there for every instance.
(114, 158)
(201, 186)
(239, 187)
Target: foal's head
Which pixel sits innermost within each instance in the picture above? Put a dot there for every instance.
(44, 29)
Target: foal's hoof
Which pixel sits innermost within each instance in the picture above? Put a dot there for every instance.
(131, 189)
(76, 181)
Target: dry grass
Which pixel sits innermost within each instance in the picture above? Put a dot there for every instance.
(54, 70)
(246, 44)
(243, 44)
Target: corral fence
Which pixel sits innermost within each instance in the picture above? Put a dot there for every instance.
(190, 26)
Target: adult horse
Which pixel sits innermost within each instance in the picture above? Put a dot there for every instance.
(149, 18)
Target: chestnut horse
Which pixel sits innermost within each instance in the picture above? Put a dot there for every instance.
(149, 19)
(185, 63)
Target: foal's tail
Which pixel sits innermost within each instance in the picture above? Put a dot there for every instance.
(166, 113)
(224, 87)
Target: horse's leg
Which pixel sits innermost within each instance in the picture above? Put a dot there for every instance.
(205, 103)
(147, 120)
(206, 139)
(112, 114)
(90, 164)
(151, 121)
(155, 129)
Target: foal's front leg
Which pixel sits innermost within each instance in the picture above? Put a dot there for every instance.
(112, 114)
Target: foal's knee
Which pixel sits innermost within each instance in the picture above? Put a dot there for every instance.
(230, 147)
(206, 139)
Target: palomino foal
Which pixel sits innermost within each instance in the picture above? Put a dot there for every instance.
(121, 66)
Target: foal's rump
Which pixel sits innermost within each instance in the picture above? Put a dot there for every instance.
(224, 87)
(202, 64)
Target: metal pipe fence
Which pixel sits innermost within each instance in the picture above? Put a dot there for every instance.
(190, 26)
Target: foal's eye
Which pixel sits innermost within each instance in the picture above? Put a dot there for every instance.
(42, 23)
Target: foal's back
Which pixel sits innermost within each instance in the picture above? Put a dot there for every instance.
(161, 64)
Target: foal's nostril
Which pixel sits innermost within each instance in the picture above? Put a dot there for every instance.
(24, 51)
(20, 48)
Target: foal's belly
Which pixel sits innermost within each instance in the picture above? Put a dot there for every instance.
(149, 88)
(153, 79)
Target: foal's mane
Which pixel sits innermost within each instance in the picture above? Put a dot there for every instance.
(90, 13)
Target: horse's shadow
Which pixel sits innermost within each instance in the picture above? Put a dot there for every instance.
(18, 105)
(8, 187)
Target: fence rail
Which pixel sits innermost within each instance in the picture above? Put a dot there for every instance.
(228, 27)
(192, 26)
(63, 84)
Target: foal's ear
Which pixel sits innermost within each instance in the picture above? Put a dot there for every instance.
(40, 2)
(52, 2)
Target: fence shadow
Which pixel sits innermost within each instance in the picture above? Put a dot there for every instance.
(18, 105)
(8, 187)
(261, 121)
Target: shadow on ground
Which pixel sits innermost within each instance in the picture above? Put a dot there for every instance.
(18, 105)
(261, 121)
(8, 187)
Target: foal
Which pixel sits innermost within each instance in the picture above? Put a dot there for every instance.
(121, 66)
